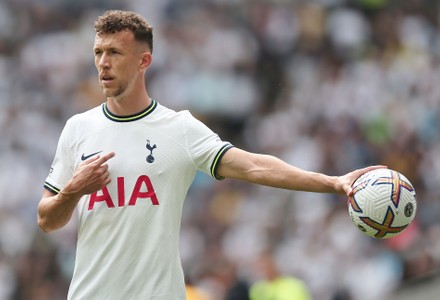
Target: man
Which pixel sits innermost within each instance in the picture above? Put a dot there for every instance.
(126, 166)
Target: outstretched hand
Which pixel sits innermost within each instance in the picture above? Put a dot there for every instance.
(347, 180)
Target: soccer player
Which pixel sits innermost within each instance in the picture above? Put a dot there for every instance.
(126, 166)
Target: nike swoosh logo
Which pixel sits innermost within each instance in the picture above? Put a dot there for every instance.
(84, 157)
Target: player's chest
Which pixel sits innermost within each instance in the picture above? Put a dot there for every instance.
(137, 150)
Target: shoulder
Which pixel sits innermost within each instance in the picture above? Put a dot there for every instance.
(184, 117)
(181, 124)
(165, 112)
(84, 120)
(87, 115)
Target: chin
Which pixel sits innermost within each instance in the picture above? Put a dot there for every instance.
(109, 93)
(113, 92)
(113, 95)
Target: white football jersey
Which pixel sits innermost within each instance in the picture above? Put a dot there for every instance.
(128, 232)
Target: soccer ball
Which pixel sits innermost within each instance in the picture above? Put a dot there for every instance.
(383, 203)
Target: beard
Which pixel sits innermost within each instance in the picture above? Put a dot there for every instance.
(114, 92)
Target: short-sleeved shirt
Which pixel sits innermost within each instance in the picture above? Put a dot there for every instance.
(128, 232)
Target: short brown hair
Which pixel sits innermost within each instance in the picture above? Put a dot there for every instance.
(113, 21)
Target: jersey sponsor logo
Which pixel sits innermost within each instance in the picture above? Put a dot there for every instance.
(84, 157)
(150, 157)
(143, 189)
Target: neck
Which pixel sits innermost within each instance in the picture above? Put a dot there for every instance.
(126, 106)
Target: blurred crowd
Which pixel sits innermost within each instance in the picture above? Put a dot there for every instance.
(327, 85)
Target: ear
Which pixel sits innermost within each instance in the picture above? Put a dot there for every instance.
(145, 60)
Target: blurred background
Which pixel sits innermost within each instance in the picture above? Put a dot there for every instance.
(327, 85)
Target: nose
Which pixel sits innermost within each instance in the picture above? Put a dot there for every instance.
(104, 61)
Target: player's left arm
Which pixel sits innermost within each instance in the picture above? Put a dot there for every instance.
(271, 171)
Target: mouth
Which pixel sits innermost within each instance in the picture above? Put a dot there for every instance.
(106, 79)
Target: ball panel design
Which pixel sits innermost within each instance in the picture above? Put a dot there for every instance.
(383, 203)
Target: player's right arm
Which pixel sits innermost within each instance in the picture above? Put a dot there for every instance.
(55, 210)
(272, 171)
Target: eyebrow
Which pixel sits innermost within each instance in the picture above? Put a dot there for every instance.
(106, 48)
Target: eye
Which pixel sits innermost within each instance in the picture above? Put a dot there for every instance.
(97, 52)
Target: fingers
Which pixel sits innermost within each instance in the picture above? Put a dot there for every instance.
(107, 180)
(101, 168)
(358, 173)
(350, 193)
(91, 175)
(98, 168)
(98, 159)
(102, 159)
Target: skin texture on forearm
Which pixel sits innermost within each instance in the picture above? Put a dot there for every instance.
(271, 171)
(55, 210)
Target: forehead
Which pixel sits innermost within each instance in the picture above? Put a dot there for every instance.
(111, 40)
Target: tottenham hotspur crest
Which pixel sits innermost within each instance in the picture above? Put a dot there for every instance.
(150, 157)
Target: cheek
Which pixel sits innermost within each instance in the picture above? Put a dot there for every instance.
(96, 61)
(129, 70)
